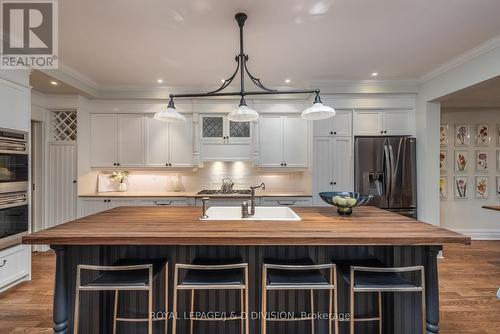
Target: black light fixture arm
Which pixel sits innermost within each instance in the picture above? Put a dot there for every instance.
(242, 67)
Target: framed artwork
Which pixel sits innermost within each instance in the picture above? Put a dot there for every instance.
(443, 161)
(462, 135)
(443, 134)
(482, 135)
(443, 188)
(498, 186)
(460, 187)
(482, 161)
(482, 187)
(461, 161)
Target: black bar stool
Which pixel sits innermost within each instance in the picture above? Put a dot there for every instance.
(373, 276)
(124, 275)
(300, 274)
(213, 274)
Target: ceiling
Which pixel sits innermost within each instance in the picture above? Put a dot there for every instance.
(483, 94)
(45, 83)
(118, 43)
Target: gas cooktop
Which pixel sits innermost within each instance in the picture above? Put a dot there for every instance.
(218, 192)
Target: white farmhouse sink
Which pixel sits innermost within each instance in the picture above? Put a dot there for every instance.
(261, 213)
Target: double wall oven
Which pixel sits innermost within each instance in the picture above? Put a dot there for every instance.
(14, 176)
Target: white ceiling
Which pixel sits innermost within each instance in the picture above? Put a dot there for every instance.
(117, 43)
(484, 94)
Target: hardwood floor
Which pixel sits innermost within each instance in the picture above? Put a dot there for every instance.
(469, 279)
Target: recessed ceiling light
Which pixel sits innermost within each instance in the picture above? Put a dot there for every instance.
(374, 74)
(287, 80)
(55, 83)
(160, 80)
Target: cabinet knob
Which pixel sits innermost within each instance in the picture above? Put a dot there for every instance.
(334, 132)
(331, 132)
(334, 183)
(331, 183)
(385, 131)
(381, 131)
(285, 163)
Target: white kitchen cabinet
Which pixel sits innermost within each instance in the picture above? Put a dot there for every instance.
(15, 265)
(169, 144)
(130, 140)
(368, 123)
(104, 144)
(286, 201)
(14, 106)
(92, 205)
(283, 141)
(338, 125)
(333, 166)
(223, 140)
(117, 140)
(397, 122)
(382, 122)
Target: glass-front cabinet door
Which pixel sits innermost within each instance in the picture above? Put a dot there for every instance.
(218, 129)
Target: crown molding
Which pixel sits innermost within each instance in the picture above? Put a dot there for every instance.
(463, 58)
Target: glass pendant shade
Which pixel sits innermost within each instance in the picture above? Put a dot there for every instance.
(169, 115)
(318, 111)
(243, 114)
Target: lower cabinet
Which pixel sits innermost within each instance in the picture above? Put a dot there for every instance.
(286, 201)
(15, 265)
(92, 205)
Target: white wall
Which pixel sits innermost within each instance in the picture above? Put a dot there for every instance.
(480, 64)
(466, 215)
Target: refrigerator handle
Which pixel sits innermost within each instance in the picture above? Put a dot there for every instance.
(387, 172)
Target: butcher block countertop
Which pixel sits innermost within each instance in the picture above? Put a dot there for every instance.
(258, 193)
(181, 226)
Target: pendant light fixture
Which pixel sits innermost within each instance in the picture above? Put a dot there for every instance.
(170, 114)
(243, 113)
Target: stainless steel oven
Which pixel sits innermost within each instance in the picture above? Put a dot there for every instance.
(14, 170)
(13, 218)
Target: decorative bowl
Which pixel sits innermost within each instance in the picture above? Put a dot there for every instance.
(344, 201)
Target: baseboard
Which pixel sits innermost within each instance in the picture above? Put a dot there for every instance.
(480, 234)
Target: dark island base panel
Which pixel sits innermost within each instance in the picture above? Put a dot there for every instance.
(401, 311)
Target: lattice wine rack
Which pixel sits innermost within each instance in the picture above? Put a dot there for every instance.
(63, 125)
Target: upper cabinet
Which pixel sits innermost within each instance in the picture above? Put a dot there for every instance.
(283, 141)
(136, 140)
(338, 125)
(382, 122)
(169, 144)
(14, 106)
(224, 140)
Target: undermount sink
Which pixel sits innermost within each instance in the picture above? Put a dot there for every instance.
(261, 213)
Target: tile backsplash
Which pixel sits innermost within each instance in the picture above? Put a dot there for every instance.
(208, 177)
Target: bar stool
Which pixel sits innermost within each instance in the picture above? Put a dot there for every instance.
(300, 274)
(213, 274)
(373, 276)
(124, 275)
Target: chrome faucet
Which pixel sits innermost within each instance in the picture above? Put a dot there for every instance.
(252, 197)
(244, 209)
(204, 213)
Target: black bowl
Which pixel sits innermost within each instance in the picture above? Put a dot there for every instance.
(345, 210)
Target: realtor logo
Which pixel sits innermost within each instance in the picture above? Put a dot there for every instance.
(29, 34)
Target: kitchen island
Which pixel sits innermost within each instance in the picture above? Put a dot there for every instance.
(178, 235)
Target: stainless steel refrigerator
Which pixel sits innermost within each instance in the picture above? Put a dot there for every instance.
(385, 167)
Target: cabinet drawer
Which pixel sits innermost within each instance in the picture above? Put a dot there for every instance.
(14, 264)
(286, 201)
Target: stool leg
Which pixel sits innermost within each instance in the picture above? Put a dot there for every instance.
(191, 321)
(263, 301)
(312, 310)
(166, 298)
(115, 311)
(247, 316)
(150, 302)
(335, 301)
(424, 314)
(242, 308)
(380, 312)
(351, 303)
(174, 306)
(77, 301)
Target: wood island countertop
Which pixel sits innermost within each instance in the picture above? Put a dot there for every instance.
(491, 207)
(181, 226)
